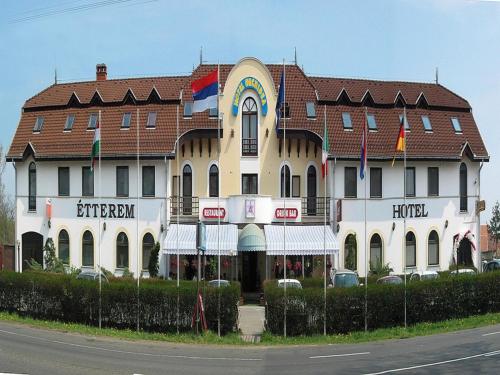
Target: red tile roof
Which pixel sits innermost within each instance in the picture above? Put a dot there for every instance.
(52, 103)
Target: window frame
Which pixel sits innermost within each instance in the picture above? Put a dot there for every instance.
(126, 124)
(92, 125)
(187, 111)
(32, 187)
(371, 116)
(152, 115)
(345, 115)
(414, 249)
(407, 123)
(429, 248)
(310, 110)
(126, 181)
(375, 235)
(414, 194)
(286, 190)
(39, 121)
(346, 186)
(429, 180)
(153, 192)
(68, 125)
(125, 245)
(296, 194)
(89, 243)
(247, 117)
(60, 243)
(145, 265)
(212, 175)
(60, 191)
(463, 188)
(90, 173)
(249, 175)
(355, 248)
(379, 183)
(457, 126)
(429, 128)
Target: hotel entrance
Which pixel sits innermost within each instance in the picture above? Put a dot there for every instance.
(251, 250)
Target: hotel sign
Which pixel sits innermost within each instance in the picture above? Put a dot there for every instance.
(286, 213)
(250, 83)
(211, 213)
(401, 211)
(105, 210)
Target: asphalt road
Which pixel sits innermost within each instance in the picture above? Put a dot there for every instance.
(26, 350)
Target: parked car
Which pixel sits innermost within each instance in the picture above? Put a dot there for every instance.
(392, 279)
(424, 275)
(92, 275)
(290, 283)
(343, 278)
(463, 271)
(492, 265)
(216, 283)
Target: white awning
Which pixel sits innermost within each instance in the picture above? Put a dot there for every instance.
(300, 240)
(228, 239)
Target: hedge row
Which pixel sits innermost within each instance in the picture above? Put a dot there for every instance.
(427, 301)
(64, 298)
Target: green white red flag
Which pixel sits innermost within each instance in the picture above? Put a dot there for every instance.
(96, 144)
(324, 153)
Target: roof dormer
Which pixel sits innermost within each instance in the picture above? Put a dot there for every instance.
(96, 98)
(74, 100)
(399, 100)
(154, 96)
(367, 99)
(343, 97)
(422, 101)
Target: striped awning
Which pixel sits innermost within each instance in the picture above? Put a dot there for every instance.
(251, 238)
(228, 239)
(300, 240)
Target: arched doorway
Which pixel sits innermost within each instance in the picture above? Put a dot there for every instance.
(32, 248)
(464, 253)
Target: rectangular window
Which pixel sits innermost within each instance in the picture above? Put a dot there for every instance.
(87, 182)
(122, 181)
(92, 121)
(63, 181)
(38, 124)
(151, 120)
(410, 181)
(175, 186)
(407, 124)
(295, 186)
(427, 123)
(375, 182)
(350, 182)
(148, 181)
(188, 109)
(126, 120)
(372, 124)
(249, 184)
(311, 110)
(433, 181)
(346, 120)
(287, 110)
(456, 125)
(213, 112)
(70, 120)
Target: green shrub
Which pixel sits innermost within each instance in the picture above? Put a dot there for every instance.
(62, 297)
(427, 301)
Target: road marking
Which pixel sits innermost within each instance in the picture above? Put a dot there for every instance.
(131, 353)
(338, 355)
(488, 354)
(10, 373)
(491, 333)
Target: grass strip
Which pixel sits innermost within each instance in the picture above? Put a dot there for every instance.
(267, 339)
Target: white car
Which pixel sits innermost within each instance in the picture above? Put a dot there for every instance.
(463, 271)
(290, 283)
(424, 275)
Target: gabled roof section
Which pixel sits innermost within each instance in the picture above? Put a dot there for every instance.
(154, 96)
(96, 98)
(343, 97)
(74, 100)
(367, 99)
(129, 97)
(399, 100)
(29, 151)
(422, 101)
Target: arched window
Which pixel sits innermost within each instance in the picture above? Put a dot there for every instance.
(376, 251)
(213, 181)
(351, 253)
(433, 248)
(88, 249)
(249, 128)
(411, 250)
(32, 187)
(463, 187)
(285, 181)
(187, 190)
(311, 191)
(122, 250)
(63, 246)
(148, 242)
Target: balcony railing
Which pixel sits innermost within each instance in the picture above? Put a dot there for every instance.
(315, 206)
(184, 206)
(249, 147)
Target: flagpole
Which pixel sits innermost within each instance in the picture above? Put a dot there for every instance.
(365, 136)
(324, 226)
(178, 205)
(405, 213)
(218, 199)
(284, 197)
(137, 224)
(100, 198)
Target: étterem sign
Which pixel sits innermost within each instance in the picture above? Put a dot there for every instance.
(105, 210)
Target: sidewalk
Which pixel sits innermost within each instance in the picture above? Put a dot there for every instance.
(251, 322)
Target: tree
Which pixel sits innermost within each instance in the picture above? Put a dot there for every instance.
(494, 224)
(52, 262)
(153, 261)
(6, 207)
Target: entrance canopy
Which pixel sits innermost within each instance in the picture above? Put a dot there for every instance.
(300, 240)
(228, 239)
(251, 238)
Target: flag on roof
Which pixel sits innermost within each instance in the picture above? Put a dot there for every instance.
(96, 144)
(364, 149)
(205, 92)
(280, 103)
(324, 152)
(401, 141)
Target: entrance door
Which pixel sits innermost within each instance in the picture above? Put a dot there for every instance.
(187, 190)
(464, 253)
(32, 248)
(311, 191)
(249, 278)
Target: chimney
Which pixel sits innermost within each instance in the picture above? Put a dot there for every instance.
(101, 73)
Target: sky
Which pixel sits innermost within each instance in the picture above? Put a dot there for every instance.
(383, 39)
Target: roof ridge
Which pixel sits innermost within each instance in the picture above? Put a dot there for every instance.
(372, 80)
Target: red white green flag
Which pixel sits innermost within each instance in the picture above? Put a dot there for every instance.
(96, 145)
(324, 153)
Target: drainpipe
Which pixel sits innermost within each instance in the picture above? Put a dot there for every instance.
(478, 214)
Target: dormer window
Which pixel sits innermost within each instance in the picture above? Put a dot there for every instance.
(346, 120)
(38, 124)
(92, 121)
(372, 124)
(70, 120)
(188, 109)
(427, 123)
(127, 116)
(151, 120)
(310, 110)
(456, 125)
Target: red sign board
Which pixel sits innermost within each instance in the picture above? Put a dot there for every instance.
(286, 213)
(211, 213)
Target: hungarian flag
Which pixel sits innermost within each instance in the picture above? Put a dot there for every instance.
(401, 141)
(324, 153)
(96, 144)
(364, 154)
